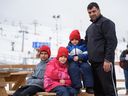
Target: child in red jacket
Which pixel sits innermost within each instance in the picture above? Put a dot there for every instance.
(56, 77)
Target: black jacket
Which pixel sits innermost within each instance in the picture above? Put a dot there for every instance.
(101, 40)
(123, 55)
(123, 61)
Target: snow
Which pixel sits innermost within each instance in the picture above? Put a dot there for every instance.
(10, 34)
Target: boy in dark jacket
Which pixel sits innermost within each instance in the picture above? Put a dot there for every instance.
(35, 82)
(79, 67)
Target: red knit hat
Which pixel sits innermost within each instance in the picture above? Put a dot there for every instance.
(62, 52)
(75, 34)
(46, 49)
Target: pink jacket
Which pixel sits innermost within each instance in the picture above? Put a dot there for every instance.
(55, 71)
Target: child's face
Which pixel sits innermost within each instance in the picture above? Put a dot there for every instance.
(63, 59)
(74, 41)
(43, 55)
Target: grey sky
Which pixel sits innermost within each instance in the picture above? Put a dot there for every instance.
(73, 12)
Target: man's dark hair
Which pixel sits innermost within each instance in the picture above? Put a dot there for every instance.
(93, 4)
(127, 46)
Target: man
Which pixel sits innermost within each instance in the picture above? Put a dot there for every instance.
(124, 65)
(101, 43)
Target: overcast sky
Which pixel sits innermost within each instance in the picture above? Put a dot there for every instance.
(73, 13)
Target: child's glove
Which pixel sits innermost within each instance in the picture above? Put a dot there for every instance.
(62, 81)
(75, 58)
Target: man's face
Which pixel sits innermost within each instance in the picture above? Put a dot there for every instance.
(94, 13)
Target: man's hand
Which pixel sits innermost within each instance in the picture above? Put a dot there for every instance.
(107, 66)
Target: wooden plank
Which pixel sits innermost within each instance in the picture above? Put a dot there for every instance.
(51, 93)
(85, 94)
(54, 94)
(116, 63)
(45, 94)
(4, 74)
(21, 73)
(17, 66)
(11, 92)
(120, 80)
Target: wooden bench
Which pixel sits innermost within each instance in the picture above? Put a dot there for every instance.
(16, 67)
(12, 67)
(11, 92)
(54, 94)
(13, 75)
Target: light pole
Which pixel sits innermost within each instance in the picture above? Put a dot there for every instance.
(56, 17)
(23, 34)
(1, 33)
(35, 26)
(12, 45)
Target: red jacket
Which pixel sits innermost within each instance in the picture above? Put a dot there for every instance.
(55, 71)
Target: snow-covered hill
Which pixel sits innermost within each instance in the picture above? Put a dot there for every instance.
(11, 41)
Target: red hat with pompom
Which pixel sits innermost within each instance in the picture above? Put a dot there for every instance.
(46, 49)
(75, 34)
(62, 52)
